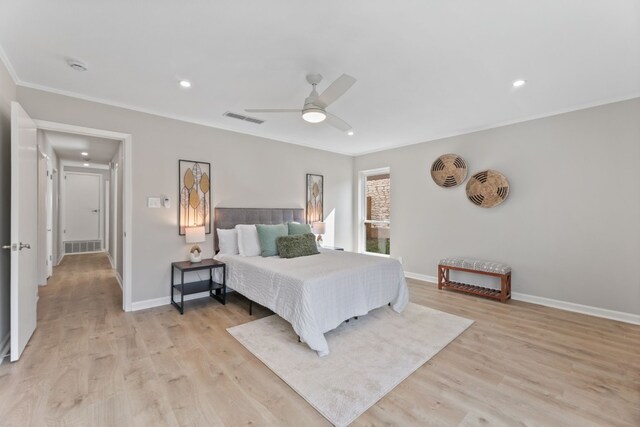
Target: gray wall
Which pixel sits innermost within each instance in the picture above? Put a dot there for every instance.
(7, 94)
(571, 225)
(246, 171)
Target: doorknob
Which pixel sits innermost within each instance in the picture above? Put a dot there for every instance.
(24, 246)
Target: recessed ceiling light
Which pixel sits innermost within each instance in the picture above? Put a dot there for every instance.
(86, 165)
(185, 83)
(519, 83)
(84, 153)
(350, 133)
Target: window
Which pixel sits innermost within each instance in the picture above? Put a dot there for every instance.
(375, 211)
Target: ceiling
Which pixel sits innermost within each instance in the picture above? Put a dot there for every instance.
(70, 146)
(425, 70)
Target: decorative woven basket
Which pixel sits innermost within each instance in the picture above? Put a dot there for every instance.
(487, 188)
(449, 170)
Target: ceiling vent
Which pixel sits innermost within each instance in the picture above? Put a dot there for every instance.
(245, 118)
(77, 65)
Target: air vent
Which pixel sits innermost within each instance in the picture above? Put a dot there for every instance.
(245, 118)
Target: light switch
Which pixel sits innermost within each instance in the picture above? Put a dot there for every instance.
(154, 202)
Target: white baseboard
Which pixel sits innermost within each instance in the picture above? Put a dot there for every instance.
(119, 279)
(5, 346)
(578, 308)
(113, 264)
(421, 277)
(157, 302)
(548, 302)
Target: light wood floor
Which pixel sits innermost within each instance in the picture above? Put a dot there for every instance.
(90, 364)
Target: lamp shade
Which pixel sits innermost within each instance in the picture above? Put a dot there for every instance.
(195, 234)
(318, 227)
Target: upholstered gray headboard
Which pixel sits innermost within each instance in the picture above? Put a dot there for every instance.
(230, 217)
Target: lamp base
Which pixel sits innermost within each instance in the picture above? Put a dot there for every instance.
(195, 258)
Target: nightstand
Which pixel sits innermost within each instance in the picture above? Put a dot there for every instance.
(217, 291)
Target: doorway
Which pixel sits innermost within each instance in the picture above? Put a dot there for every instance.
(86, 185)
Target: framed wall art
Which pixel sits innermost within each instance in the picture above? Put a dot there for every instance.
(315, 198)
(194, 207)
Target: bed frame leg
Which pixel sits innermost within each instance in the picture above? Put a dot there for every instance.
(356, 317)
(298, 338)
(389, 304)
(250, 308)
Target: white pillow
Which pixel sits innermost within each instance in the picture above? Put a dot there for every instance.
(248, 241)
(228, 241)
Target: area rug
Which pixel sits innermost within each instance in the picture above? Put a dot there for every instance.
(368, 357)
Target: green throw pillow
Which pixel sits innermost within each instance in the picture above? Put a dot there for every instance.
(267, 234)
(297, 228)
(297, 245)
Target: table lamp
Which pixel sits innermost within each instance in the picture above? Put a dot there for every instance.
(319, 229)
(195, 235)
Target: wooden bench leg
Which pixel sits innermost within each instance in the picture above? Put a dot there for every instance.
(503, 288)
(441, 276)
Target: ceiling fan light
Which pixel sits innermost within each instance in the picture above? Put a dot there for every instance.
(314, 115)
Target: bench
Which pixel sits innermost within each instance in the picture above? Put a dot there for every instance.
(477, 266)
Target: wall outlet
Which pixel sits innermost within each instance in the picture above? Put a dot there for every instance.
(154, 202)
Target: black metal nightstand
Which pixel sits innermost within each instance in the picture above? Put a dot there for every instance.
(217, 291)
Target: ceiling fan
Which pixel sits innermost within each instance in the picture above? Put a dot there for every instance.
(314, 109)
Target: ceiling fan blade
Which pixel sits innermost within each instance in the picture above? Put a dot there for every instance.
(337, 123)
(336, 90)
(272, 110)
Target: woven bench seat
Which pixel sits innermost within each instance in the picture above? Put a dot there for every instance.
(477, 266)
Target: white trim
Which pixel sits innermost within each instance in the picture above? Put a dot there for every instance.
(127, 185)
(421, 277)
(554, 303)
(60, 257)
(178, 117)
(111, 261)
(7, 64)
(578, 308)
(157, 302)
(493, 125)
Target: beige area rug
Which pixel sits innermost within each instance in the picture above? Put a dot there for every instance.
(368, 357)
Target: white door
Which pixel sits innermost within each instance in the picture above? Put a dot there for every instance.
(24, 217)
(82, 207)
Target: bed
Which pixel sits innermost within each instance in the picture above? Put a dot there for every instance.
(314, 293)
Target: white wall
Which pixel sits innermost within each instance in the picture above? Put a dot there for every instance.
(246, 171)
(7, 95)
(571, 225)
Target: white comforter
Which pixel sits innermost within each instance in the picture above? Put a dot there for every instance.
(316, 293)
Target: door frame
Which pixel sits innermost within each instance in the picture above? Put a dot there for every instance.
(46, 241)
(63, 204)
(127, 188)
